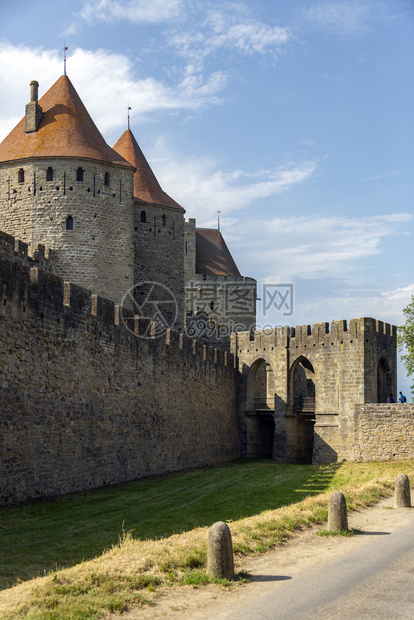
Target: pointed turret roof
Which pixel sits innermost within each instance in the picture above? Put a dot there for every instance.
(146, 186)
(213, 257)
(65, 130)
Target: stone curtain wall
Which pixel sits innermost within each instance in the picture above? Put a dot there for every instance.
(86, 403)
(384, 432)
(99, 252)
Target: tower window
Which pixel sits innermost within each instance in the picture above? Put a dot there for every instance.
(143, 217)
(107, 179)
(49, 174)
(164, 220)
(79, 174)
(69, 223)
(20, 175)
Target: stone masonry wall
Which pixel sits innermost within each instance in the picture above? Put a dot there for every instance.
(344, 360)
(84, 402)
(98, 252)
(215, 306)
(384, 432)
(159, 243)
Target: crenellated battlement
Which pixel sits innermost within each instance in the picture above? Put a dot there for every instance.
(68, 311)
(220, 279)
(319, 334)
(15, 249)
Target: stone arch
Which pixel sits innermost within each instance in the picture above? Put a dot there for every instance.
(301, 411)
(260, 386)
(302, 387)
(260, 399)
(384, 380)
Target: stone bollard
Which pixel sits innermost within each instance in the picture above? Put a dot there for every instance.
(337, 513)
(220, 551)
(402, 492)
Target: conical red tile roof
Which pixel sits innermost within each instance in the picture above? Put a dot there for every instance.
(213, 257)
(146, 186)
(65, 130)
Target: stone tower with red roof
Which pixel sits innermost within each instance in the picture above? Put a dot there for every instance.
(62, 186)
(109, 224)
(158, 229)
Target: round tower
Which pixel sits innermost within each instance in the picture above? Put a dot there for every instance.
(158, 228)
(62, 186)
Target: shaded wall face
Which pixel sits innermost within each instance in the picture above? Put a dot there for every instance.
(380, 362)
(384, 382)
(96, 249)
(93, 404)
(217, 306)
(260, 384)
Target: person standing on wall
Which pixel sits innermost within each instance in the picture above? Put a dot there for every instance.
(402, 398)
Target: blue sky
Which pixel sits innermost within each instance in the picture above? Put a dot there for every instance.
(294, 119)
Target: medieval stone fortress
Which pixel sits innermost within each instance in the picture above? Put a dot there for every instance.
(101, 382)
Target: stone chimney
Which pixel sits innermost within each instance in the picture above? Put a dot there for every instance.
(33, 109)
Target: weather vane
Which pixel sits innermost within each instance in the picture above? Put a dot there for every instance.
(218, 220)
(65, 49)
(129, 108)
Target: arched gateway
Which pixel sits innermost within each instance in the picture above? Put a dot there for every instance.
(260, 403)
(302, 384)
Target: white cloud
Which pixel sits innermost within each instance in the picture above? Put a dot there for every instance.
(385, 306)
(312, 247)
(108, 83)
(228, 29)
(136, 11)
(105, 81)
(401, 294)
(385, 174)
(202, 188)
(347, 19)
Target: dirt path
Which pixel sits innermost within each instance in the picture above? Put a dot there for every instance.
(302, 553)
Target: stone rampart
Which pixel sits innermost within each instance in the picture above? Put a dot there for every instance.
(86, 402)
(384, 432)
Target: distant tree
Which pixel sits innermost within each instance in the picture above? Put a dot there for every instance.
(405, 339)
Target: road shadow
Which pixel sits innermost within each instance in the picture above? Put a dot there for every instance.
(269, 578)
(372, 533)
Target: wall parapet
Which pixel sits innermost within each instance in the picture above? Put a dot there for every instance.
(64, 308)
(13, 248)
(338, 332)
